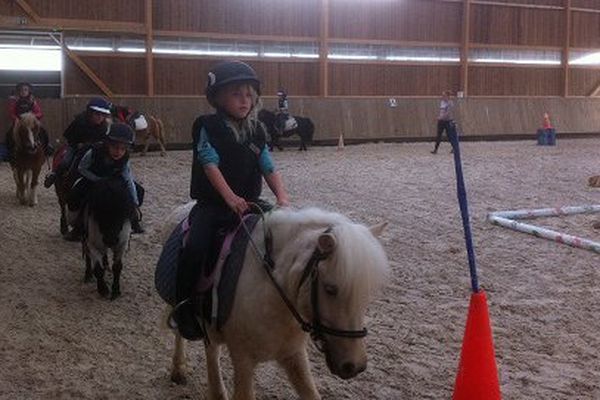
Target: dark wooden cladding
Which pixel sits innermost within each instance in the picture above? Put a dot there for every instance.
(121, 75)
(422, 20)
(514, 81)
(256, 17)
(188, 76)
(585, 29)
(589, 4)
(393, 80)
(516, 26)
(583, 81)
(111, 10)
(555, 3)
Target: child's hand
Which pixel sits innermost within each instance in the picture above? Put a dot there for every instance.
(283, 201)
(237, 204)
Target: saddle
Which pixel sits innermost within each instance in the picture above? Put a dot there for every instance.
(137, 121)
(220, 282)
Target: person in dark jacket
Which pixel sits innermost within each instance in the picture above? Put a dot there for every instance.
(107, 159)
(230, 159)
(87, 128)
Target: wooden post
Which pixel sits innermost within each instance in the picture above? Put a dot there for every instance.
(149, 46)
(324, 49)
(567, 45)
(464, 47)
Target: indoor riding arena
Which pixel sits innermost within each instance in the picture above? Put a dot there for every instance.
(478, 301)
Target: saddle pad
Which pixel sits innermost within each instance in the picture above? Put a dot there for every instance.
(225, 283)
(3, 152)
(223, 293)
(165, 276)
(140, 123)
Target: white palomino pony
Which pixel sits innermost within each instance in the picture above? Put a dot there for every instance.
(328, 268)
(28, 157)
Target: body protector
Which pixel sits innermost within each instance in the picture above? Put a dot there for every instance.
(238, 162)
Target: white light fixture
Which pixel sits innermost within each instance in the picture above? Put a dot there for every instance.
(351, 57)
(131, 50)
(91, 48)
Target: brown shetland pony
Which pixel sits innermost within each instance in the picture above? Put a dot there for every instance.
(146, 126)
(28, 158)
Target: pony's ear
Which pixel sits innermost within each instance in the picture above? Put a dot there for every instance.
(326, 242)
(378, 229)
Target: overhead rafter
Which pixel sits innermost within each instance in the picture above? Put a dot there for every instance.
(28, 10)
(85, 68)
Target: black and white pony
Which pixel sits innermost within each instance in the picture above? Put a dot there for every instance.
(304, 128)
(107, 226)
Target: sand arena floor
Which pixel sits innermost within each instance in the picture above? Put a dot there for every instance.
(59, 340)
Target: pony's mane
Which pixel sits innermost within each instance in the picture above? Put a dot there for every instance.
(26, 121)
(361, 265)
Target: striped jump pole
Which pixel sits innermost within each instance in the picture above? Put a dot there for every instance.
(509, 219)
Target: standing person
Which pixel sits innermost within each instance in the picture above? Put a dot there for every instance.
(445, 120)
(87, 128)
(230, 160)
(283, 108)
(108, 159)
(23, 101)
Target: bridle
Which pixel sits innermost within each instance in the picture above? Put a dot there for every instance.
(315, 328)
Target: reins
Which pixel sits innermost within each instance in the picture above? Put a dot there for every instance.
(316, 329)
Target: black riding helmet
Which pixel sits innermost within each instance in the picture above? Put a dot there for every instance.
(121, 133)
(227, 72)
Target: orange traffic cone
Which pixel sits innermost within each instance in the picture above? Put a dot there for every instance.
(340, 145)
(477, 377)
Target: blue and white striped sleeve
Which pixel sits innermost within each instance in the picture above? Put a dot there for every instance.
(265, 161)
(205, 152)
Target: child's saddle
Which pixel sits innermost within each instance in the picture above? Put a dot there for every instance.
(218, 283)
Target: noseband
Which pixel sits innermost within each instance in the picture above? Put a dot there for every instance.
(316, 329)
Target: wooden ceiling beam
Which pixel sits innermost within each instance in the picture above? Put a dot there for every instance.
(35, 17)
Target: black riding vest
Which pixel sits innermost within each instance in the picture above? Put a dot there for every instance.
(103, 165)
(238, 162)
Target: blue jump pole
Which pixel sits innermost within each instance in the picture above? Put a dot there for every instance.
(464, 205)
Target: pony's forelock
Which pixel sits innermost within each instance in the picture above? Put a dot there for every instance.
(360, 265)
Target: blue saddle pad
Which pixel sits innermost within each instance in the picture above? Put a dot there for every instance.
(3, 152)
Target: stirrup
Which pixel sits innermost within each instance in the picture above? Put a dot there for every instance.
(170, 319)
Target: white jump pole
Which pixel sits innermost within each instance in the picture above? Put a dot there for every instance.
(508, 219)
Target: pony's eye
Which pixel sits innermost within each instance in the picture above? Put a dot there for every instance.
(331, 290)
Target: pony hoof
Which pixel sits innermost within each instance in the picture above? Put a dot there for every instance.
(178, 378)
(115, 295)
(103, 290)
(162, 154)
(88, 278)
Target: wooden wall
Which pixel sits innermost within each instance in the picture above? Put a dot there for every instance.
(347, 79)
(367, 118)
(511, 81)
(499, 24)
(516, 26)
(256, 17)
(422, 20)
